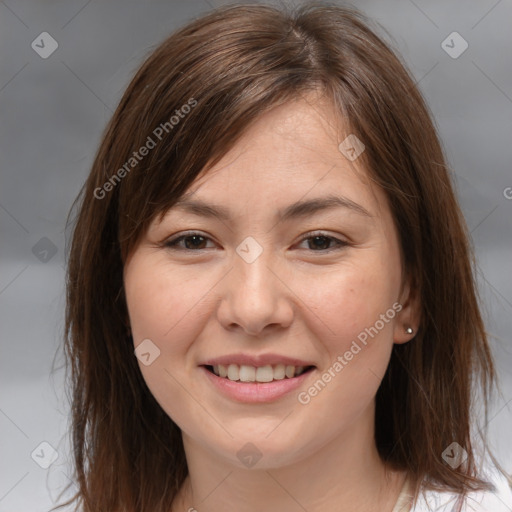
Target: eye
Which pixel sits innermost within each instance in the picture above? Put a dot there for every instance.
(317, 242)
(321, 240)
(196, 240)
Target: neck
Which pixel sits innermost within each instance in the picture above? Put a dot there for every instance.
(345, 475)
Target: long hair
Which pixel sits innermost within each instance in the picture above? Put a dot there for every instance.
(192, 99)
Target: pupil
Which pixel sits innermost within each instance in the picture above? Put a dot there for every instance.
(326, 241)
(194, 245)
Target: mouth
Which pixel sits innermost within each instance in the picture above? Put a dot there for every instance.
(257, 374)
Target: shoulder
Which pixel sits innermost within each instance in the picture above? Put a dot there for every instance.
(499, 500)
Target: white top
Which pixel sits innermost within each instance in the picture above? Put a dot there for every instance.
(482, 501)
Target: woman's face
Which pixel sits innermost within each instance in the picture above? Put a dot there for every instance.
(266, 287)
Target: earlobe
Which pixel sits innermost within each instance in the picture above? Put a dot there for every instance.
(408, 319)
(403, 335)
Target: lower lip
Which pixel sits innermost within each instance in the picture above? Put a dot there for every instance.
(255, 392)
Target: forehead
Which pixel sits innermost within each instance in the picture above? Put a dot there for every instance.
(287, 163)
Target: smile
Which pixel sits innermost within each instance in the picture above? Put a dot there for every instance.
(256, 384)
(267, 373)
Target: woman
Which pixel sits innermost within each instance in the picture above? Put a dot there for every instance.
(271, 302)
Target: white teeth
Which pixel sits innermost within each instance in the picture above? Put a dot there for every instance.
(279, 372)
(267, 373)
(233, 372)
(247, 373)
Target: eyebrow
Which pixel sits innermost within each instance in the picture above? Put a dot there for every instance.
(298, 209)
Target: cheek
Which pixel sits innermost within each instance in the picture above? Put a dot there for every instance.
(163, 306)
(349, 300)
(353, 320)
(164, 302)
(354, 308)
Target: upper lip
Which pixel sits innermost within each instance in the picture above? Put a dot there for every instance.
(260, 360)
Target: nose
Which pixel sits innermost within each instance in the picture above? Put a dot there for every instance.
(256, 296)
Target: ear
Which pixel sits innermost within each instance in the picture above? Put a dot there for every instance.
(409, 316)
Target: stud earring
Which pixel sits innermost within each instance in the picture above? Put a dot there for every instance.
(409, 330)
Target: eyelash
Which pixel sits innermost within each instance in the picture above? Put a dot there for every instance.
(340, 244)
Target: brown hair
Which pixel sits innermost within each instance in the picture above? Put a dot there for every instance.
(230, 66)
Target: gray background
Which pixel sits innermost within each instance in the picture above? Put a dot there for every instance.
(53, 112)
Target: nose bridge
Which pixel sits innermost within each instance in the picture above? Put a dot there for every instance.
(254, 296)
(252, 267)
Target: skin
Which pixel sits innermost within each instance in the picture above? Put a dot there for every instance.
(297, 299)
